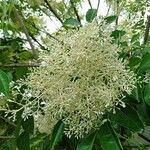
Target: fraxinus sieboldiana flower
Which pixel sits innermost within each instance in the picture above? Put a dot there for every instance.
(80, 79)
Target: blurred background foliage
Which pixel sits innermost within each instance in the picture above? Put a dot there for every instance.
(24, 32)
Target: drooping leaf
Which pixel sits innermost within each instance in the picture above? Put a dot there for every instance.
(145, 64)
(28, 124)
(23, 141)
(4, 83)
(147, 94)
(110, 19)
(91, 14)
(56, 135)
(87, 143)
(108, 138)
(128, 118)
(71, 23)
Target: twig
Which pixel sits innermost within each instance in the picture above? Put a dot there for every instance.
(25, 31)
(48, 34)
(7, 121)
(76, 12)
(42, 47)
(108, 9)
(144, 137)
(90, 4)
(53, 11)
(98, 4)
(6, 137)
(134, 146)
(20, 65)
(117, 14)
(146, 35)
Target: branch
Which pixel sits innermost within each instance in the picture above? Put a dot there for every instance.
(76, 12)
(25, 31)
(134, 146)
(117, 14)
(48, 34)
(90, 4)
(53, 11)
(20, 65)
(7, 121)
(146, 35)
(108, 9)
(6, 137)
(98, 4)
(144, 137)
(42, 47)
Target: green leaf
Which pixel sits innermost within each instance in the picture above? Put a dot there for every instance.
(110, 19)
(137, 94)
(147, 94)
(117, 34)
(108, 138)
(134, 61)
(56, 135)
(21, 72)
(145, 64)
(28, 124)
(23, 141)
(91, 14)
(87, 143)
(4, 83)
(144, 111)
(71, 23)
(25, 55)
(146, 50)
(135, 38)
(128, 118)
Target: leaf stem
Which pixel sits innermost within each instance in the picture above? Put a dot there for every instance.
(146, 35)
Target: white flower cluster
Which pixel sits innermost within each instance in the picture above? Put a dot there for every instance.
(81, 79)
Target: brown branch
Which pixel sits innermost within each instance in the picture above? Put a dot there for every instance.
(25, 31)
(20, 65)
(90, 4)
(53, 11)
(146, 35)
(75, 11)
